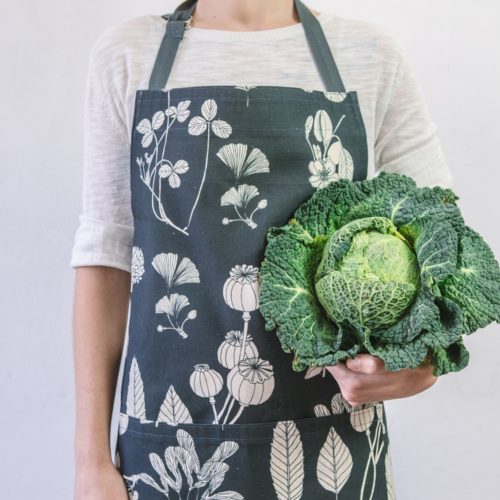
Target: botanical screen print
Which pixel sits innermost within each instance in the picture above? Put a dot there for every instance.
(210, 406)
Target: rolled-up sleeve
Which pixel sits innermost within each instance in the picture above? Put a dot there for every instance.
(104, 234)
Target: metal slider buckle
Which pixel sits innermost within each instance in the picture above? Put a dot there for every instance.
(188, 21)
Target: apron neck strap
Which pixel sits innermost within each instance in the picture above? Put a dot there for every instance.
(179, 20)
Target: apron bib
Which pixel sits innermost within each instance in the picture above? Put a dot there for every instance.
(210, 405)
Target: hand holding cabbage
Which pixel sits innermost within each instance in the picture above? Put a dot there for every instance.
(378, 266)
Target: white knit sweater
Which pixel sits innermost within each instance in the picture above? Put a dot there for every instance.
(401, 134)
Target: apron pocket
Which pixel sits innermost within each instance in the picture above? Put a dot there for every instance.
(306, 458)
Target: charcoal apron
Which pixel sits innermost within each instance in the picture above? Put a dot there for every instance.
(210, 405)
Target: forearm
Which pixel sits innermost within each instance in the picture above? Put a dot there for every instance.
(99, 323)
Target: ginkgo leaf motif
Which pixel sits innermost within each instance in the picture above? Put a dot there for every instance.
(334, 464)
(235, 157)
(135, 392)
(173, 411)
(389, 475)
(287, 461)
(175, 274)
(172, 305)
(240, 196)
(335, 96)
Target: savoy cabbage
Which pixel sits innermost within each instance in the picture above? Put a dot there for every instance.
(379, 266)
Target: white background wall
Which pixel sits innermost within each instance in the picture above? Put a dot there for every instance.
(445, 441)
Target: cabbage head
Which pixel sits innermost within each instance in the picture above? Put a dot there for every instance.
(379, 266)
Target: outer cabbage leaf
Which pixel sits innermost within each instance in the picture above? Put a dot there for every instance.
(475, 287)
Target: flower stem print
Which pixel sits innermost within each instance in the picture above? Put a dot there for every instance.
(175, 273)
(154, 168)
(250, 380)
(361, 419)
(241, 165)
(331, 161)
(247, 89)
(180, 471)
(197, 126)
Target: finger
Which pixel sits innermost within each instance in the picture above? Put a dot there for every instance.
(339, 370)
(366, 363)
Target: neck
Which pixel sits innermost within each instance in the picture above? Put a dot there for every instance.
(245, 15)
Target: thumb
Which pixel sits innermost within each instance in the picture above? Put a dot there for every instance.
(365, 363)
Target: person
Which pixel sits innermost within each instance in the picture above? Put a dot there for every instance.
(203, 128)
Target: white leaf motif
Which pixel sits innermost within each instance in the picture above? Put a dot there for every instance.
(321, 411)
(183, 111)
(221, 129)
(147, 139)
(175, 274)
(144, 126)
(346, 165)
(334, 465)
(362, 418)
(135, 392)
(338, 404)
(173, 411)
(323, 128)
(209, 109)
(225, 495)
(287, 461)
(158, 119)
(197, 125)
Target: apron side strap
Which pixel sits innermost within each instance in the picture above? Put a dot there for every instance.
(321, 50)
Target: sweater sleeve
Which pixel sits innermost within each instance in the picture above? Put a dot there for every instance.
(105, 231)
(406, 140)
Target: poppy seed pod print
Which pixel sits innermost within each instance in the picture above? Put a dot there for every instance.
(250, 380)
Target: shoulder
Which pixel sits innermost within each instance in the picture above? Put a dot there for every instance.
(126, 37)
(367, 44)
